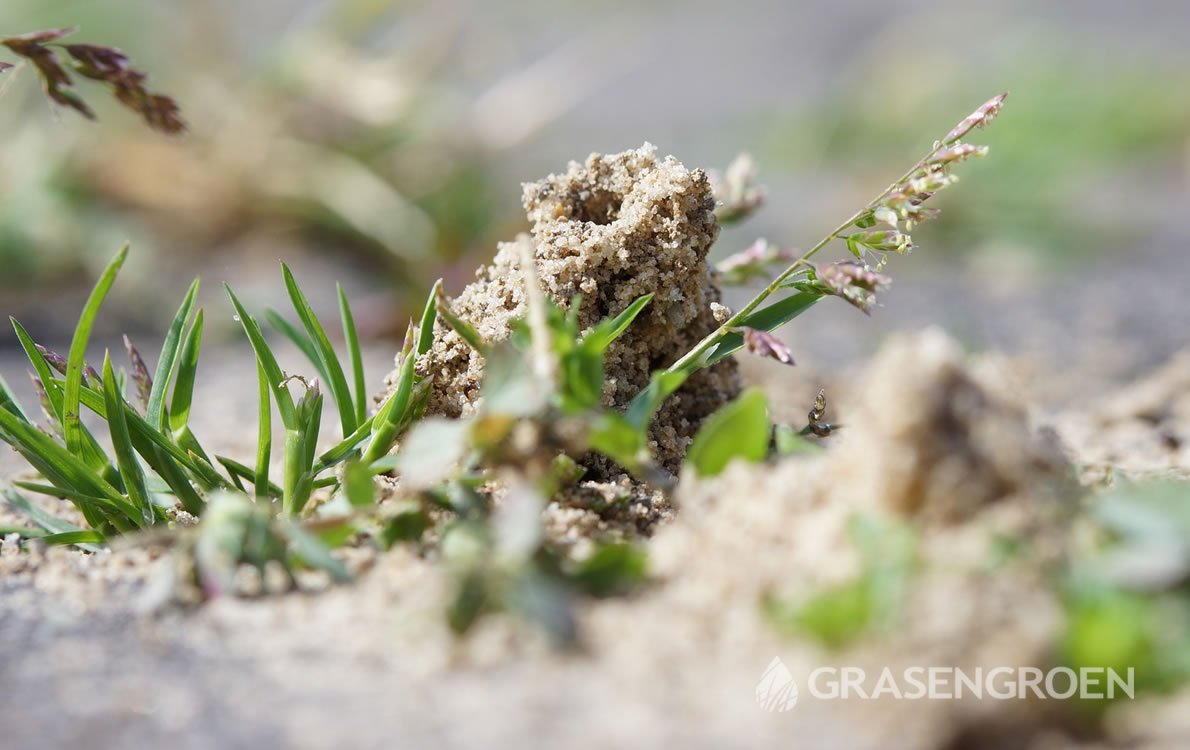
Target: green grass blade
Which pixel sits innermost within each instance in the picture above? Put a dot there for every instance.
(236, 476)
(61, 463)
(247, 474)
(72, 426)
(24, 532)
(82, 539)
(47, 521)
(609, 330)
(36, 359)
(264, 355)
(130, 469)
(126, 514)
(465, 330)
(143, 435)
(387, 422)
(297, 338)
(168, 359)
(92, 453)
(183, 395)
(8, 400)
(326, 353)
(172, 473)
(355, 357)
(766, 319)
(345, 448)
(425, 330)
(264, 436)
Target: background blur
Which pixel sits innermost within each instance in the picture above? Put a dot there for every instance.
(381, 143)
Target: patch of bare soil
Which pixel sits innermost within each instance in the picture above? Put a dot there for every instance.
(933, 440)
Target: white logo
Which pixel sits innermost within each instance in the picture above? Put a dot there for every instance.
(776, 691)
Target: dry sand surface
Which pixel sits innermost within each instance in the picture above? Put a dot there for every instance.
(371, 664)
(967, 449)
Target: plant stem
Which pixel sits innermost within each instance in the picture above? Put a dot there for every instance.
(690, 360)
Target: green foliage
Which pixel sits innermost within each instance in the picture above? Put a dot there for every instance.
(739, 430)
(542, 410)
(1126, 598)
(840, 614)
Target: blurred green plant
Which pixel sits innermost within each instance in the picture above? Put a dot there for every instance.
(1127, 595)
(1090, 140)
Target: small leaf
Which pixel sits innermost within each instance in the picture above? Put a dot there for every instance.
(645, 404)
(358, 485)
(613, 435)
(408, 524)
(738, 430)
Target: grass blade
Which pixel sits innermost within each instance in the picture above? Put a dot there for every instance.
(766, 319)
(326, 353)
(8, 400)
(425, 330)
(130, 469)
(387, 422)
(264, 355)
(345, 448)
(154, 414)
(465, 330)
(92, 454)
(143, 435)
(72, 426)
(297, 338)
(50, 523)
(354, 356)
(127, 513)
(83, 539)
(183, 395)
(602, 335)
(57, 460)
(247, 474)
(264, 436)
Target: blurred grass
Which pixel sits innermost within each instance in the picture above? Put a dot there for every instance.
(332, 136)
(1091, 147)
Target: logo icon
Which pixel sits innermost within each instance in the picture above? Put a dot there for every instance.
(776, 692)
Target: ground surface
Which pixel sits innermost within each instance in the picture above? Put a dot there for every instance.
(370, 665)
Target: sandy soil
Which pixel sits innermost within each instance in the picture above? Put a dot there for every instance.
(370, 665)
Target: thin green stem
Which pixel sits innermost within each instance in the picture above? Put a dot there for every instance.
(690, 359)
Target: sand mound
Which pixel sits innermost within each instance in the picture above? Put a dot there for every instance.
(611, 229)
